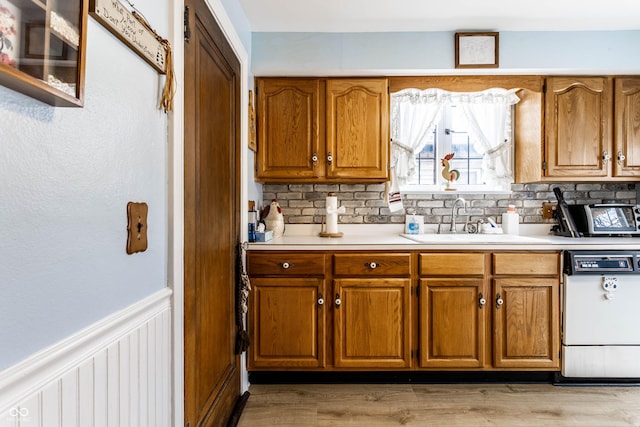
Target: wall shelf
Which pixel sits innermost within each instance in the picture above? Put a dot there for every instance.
(42, 49)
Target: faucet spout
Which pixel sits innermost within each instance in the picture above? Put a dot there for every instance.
(452, 226)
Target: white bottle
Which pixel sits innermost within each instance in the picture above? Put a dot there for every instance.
(511, 221)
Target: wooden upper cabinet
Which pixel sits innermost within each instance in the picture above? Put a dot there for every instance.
(322, 130)
(357, 128)
(578, 121)
(626, 153)
(289, 121)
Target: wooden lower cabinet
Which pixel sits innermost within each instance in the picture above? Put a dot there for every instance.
(288, 323)
(467, 303)
(372, 318)
(527, 326)
(452, 324)
(478, 310)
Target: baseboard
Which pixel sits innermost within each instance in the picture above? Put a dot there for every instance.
(119, 367)
(398, 377)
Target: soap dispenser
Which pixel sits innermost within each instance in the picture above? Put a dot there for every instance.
(511, 221)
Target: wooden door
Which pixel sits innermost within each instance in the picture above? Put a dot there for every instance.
(578, 117)
(358, 128)
(526, 323)
(289, 129)
(212, 211)
(626, 153)
(287, 321)
(372, 323)
(453, 319)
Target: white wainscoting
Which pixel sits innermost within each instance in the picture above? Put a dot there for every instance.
(117, 372)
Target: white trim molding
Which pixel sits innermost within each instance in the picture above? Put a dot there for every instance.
(118, 369)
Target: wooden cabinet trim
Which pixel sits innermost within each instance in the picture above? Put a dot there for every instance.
(529, 264)
(372, 264)
(453, 264)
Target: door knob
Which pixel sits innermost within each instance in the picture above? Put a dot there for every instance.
(621, 157)
(481, 300)
(338, 300)
(320, 299)
(499, 301)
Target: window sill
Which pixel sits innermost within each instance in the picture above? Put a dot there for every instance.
(437, 189)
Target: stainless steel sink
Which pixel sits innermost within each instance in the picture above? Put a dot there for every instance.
(474, 239)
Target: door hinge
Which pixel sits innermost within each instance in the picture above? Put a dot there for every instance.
(187, 27)
(544, 165)
(417, 291)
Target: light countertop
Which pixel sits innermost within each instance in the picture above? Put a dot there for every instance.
(389, 237)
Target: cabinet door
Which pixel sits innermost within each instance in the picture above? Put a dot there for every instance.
(526, 323)
(452, 323)
(372, 323)
(626, 155)
(578, 117)
(289, 121)
(358, 128)
(287, 322)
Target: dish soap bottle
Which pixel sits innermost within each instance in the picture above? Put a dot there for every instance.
(511, 221)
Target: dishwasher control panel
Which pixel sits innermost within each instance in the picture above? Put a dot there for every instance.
(600, 262)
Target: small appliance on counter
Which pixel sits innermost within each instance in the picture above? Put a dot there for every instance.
(596, 220)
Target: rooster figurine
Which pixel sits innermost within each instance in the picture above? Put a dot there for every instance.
(273, 218)
(450, 175)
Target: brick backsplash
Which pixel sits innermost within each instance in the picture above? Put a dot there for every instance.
(364, 204)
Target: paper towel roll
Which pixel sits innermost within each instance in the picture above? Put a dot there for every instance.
(332, 209)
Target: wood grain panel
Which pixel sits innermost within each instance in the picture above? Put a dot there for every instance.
(287, 323)
(285, 264)
(528, 264)
(627, 127)
(452, 324)
(372, 323)
(289, 121)
(372, 264)
(527, 325)
(358, 128)
(452, 264)
(578, 115)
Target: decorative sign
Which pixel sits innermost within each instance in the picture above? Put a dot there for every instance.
(124, 25)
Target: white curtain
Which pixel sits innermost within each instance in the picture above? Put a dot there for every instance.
(489, 116)
(415, 113)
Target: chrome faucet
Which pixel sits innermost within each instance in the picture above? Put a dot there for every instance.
(452, 227)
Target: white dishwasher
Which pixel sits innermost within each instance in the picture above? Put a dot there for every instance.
(601, 315)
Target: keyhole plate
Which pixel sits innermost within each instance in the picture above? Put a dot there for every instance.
(136, 227)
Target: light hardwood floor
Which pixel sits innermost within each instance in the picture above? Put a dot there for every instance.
(370, 405)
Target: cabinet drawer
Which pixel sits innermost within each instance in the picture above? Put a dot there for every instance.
(285, 264)
(372, 264)
(530, 264)
(452, 264)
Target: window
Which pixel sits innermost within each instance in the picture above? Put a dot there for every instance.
(476, 127)
(451, 135)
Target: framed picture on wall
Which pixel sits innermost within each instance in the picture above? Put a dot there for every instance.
(477, 50)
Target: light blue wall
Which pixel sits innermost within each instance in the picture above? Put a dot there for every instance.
(66, 175)
(433, 53)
